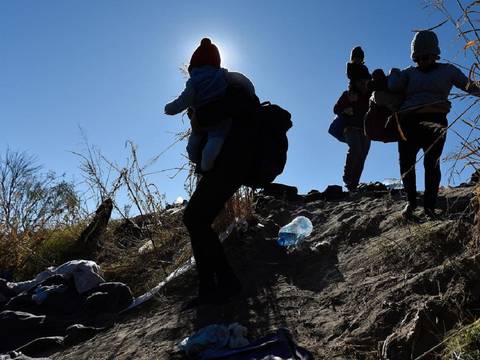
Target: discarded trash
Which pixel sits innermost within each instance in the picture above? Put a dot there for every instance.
(215, 337)
(393, 184)
(239, 224)
(238, 336)
(42, 292)
(295, 231)
(147, 247)
(275, 346)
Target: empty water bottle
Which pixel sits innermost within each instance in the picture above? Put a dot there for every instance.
(295, 231)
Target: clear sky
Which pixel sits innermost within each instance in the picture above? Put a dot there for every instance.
(110, 66)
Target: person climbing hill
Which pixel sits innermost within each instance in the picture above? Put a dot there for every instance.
(426, 87)
(225, 161)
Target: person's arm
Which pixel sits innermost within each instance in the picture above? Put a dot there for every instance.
(343, 104)
(397, 80)
(183, 102)
(459, 80)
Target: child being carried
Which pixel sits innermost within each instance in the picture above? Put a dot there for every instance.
(207, 83)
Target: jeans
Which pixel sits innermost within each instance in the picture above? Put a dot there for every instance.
(426, 132)
(358, 147)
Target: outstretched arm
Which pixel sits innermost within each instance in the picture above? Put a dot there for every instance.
(183, 102)
(460, 81)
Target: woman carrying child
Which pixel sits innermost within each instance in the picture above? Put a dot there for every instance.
(222, 154)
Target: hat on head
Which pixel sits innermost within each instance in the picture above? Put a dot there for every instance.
(424, 42)
(357, 52)
(206, 54)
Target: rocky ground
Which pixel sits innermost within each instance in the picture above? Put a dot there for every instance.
(365, 285)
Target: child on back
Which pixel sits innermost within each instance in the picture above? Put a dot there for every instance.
(207, 83)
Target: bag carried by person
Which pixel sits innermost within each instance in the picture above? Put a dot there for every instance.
(271, 145)
(269, 124)
(381, 121)
(336, 128)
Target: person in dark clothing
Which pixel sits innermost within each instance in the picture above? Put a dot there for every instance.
(217, 280)
(353, 105)
(424, 115)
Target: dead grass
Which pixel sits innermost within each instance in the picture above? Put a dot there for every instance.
(464, 343)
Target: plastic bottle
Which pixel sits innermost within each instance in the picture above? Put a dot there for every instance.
(295, 231)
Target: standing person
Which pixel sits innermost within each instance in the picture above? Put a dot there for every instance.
(353, 105)
(426, 87)
(230, 163)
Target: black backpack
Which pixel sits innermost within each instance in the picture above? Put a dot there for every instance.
(267, 121)
(271, 144)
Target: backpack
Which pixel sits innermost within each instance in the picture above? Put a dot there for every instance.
(271, 144)
(269, 124)
(336, 128)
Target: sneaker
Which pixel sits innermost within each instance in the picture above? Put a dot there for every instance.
(407, 212)
(352, 188)
(430, 214)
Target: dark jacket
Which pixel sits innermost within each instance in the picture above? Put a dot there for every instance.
(359, 107)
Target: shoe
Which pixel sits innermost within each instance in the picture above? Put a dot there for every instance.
(430, 214)
(352, 188)
(407, 212)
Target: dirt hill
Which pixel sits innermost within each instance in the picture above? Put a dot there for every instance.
(365, 284)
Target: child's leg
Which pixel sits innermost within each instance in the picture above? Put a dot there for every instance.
(194, 147)
(210, 152)
(214, 144)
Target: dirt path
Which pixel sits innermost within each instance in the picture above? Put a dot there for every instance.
(363, 277)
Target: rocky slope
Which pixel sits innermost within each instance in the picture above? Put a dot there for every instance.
(365, 284)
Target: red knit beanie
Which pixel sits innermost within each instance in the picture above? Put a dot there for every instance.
(206, 54)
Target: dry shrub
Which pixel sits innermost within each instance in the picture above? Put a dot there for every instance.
(239, 207)
(32, 205)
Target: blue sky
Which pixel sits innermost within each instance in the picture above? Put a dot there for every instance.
(108, 67)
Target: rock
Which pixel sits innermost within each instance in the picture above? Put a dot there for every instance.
(334, 192)
(282, 191)
(314, 195)
(78, 333)
(147, 247)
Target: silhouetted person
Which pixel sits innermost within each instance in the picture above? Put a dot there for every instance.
(230, 156)
(426, 87)
(353, 105)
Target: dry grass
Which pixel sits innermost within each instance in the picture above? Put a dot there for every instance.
(464, 343)
(34, 207)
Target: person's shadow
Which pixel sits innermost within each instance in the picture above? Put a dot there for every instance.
(262, 266)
